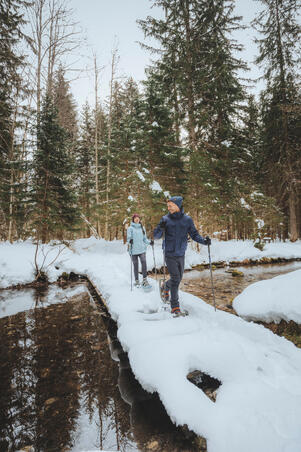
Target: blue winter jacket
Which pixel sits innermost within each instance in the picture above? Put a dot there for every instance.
(140, 241)
(178, 225)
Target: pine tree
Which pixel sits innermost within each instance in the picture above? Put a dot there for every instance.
(65, 104)
(278, 52)
(11, 90)
(85, 167)
(197, 61)
(53, 191)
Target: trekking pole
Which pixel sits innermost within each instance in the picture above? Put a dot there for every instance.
(164, 262)
(212, 287)
(153, 247)
(131, 246)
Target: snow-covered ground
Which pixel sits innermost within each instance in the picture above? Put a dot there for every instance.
(17, 260)
(272, 300)
(258, 405)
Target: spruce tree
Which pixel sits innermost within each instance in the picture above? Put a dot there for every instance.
(196, 59)
(11, 91)
(84, 167)
(278, 55)
(55, 213)
(65, 104)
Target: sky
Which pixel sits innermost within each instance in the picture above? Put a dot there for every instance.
(107, 23)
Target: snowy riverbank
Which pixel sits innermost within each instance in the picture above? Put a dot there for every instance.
(17, 260)
(258, 406)
(273, 300)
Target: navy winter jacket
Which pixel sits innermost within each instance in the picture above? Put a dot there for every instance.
(178, 225)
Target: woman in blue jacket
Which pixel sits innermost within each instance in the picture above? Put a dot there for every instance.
(137, 240)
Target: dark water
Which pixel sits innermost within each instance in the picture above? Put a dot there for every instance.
(227, 286)
(60, 389)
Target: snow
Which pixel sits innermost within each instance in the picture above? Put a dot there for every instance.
(258, 405)
(260, 223)
(140, 175)
(244, 204)
(272, 300)
(155, 186)
(13, 302)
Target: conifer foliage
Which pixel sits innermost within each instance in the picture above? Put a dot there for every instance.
(53, 193)
(279, 55)
(191, 127)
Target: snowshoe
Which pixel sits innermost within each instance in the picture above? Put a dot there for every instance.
(164, 292)
(146, 285)
(178, 313)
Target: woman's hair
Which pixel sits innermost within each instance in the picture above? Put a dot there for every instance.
(140, 222)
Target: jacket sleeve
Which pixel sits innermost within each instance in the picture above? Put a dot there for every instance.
(192, 231)
(129, 234)
(145, 239)
(158, 231)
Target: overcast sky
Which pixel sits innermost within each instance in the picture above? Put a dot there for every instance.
(107, 22)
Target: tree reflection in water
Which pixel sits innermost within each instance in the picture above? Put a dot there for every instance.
(56, 370)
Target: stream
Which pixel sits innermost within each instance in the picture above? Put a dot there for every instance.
(66, 384)
(226, 286)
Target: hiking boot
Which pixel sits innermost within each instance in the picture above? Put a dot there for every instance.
(136, 283)
(176, 312)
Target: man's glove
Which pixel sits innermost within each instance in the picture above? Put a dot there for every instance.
(207, 240)
(151, 243)
(131, 241)
(163, 224)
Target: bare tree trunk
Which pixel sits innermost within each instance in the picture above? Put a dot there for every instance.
(293, 230)
(108, 172)
(53, 34)
(96, 72)
(190, 94)
(12, 171)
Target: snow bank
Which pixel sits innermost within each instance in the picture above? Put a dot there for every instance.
(272, 300)
(258, 406)
(17, 260)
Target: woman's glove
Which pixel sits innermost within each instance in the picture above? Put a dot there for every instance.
(131, 241)
(151, 243)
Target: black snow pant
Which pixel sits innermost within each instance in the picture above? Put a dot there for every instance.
(142, 258)
(175, 265)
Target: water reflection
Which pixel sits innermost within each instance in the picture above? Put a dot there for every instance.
(152, 427)
(60, 389)
(226, 286)
(56, 373)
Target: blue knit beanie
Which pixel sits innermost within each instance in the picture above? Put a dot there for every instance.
(178, 200)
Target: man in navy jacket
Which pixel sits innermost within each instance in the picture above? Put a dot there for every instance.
(177, 226)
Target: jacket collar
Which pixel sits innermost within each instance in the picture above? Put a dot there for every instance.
(177, 215)
(135, 225)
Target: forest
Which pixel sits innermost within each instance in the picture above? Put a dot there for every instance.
(192, 128)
